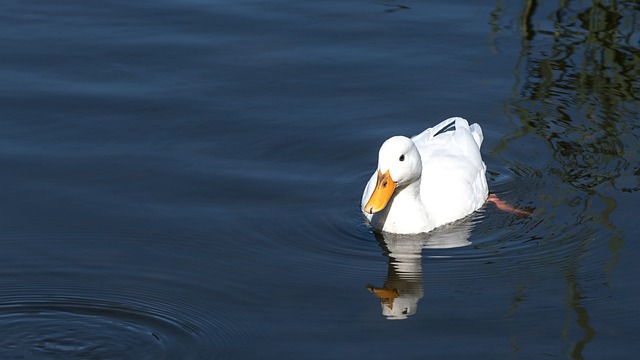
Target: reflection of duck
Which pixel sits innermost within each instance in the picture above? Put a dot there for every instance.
(403, 286)
(424, 182)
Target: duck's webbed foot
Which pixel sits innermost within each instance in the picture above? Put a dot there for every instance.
(508, 208)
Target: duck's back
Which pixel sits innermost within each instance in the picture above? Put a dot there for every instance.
(453, 181)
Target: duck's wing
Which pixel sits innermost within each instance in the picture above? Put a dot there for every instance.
(426, 135)
(476, 131)
(446, 128)
(453, 173)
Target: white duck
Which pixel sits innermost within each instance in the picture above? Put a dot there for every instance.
(424, 182)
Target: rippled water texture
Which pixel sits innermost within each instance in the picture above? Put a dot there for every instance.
(181, 179)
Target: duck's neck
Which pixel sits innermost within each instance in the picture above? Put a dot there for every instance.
(406, 212)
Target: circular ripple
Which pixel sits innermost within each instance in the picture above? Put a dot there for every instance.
(81, 329)
(112, 296)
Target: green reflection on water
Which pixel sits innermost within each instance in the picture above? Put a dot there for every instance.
(577, 85)
(577, 88)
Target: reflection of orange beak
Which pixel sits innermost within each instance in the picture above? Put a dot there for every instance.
(386, 295)
(381, 194)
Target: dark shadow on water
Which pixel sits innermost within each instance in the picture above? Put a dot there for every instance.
(403, 287)
(391, 6)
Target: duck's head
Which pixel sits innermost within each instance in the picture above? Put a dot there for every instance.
(399, 165)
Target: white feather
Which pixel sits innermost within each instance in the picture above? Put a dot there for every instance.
(450, 185)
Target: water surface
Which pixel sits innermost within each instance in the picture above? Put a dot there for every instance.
(181, 179)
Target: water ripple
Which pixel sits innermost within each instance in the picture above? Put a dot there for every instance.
(139, 322)
(84, 329)
(101, 303)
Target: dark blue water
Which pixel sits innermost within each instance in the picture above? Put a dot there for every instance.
(181, 179)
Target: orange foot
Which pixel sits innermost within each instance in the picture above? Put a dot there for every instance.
(508, 208)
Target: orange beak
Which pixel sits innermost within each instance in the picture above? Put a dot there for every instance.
(381, 194)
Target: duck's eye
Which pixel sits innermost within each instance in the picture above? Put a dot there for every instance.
(402, 157)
